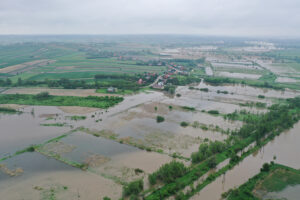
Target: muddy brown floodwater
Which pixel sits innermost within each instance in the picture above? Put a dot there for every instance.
(286, 149)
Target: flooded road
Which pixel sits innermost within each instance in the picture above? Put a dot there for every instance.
(286, 149)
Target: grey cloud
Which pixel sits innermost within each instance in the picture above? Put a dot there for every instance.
(213, 17)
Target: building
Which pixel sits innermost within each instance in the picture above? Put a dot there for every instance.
(140, 81)
(112, 89)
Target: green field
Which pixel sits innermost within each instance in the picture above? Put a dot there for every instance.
(69, 63)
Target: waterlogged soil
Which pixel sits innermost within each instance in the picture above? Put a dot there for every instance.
(285, 148)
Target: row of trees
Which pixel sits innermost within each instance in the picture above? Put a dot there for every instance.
(101, 81)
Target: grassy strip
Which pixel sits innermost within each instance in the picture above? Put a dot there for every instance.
(55, 124)
(28, 149)
(8, 110)
(76, 117)
(50, 100)
(262, 83)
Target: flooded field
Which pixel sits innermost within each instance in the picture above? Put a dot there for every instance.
(239, 75)
(126, 142)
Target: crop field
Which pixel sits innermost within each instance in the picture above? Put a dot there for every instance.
(66, 62)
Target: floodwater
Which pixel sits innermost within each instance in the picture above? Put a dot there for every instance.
(239, 75)
(18, 131)
(286, 149)
(31, 165)
(86, 145)
(134, 117)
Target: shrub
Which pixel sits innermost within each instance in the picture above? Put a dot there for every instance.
(265, 167)
(213, 112)
(184, 124)
(204, 89)
(133, 188)
(160, 119)
(188, 108)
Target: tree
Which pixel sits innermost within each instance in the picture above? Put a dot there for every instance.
(212, 162)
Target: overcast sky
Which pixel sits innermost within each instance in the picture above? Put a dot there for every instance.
(205, 17)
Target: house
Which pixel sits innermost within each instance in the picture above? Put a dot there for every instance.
(112, 89)
(140, 81)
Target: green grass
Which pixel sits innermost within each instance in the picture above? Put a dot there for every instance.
(280, 179)
(188, 108)
(91, 101)
(75, 117)
(54, 124)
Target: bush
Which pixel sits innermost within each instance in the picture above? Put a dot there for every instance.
(265, 168)
(184, 124)
(152, 178)
(204, 89)
(160, 119)
(213, 112)
(133, 188)
(188, 108)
